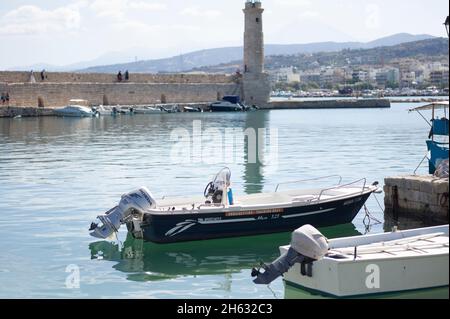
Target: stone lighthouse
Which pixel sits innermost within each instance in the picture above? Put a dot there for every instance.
(256, 85)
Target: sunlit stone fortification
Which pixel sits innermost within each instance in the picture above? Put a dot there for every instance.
(56, 89)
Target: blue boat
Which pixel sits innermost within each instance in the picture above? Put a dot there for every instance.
(217, 214)
(439, 128)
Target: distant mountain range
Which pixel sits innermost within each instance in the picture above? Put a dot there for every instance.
(216, 56)
(429, 50)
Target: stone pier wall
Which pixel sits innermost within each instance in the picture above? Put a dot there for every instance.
(424, 197)
(12, 111)
(58, 88)
(59, 94)
(68, 77)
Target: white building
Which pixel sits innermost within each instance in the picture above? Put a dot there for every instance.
(285, 75)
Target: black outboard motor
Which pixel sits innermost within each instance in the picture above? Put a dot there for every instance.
(307, 245)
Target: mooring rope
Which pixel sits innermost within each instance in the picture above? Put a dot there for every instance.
(367, 221)
(383, 211)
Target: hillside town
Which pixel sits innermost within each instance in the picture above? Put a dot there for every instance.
(408, 77)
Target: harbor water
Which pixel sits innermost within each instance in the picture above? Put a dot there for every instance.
(57, 174)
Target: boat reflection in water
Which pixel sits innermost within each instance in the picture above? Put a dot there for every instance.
(145, 261)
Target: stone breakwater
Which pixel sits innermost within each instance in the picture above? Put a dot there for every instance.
(13, 111)
(59, 94)
(417, 100)
(57, 89)
(419, 197)
(331, 104)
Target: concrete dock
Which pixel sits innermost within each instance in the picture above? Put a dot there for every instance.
(423, 197)
(12, 111)
(330, 104)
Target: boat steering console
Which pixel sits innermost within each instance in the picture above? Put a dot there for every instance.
(214, 191)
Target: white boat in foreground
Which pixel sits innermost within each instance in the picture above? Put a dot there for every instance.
(363, 265)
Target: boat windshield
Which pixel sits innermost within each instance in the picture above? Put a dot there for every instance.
(222, 179)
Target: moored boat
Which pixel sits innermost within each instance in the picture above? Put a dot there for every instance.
(76, 108)
(363, 265)
(192, 109)
(218, 214)
(438, 142)
(225, 106)
(148, 110)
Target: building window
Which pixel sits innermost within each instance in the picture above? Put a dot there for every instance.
(257, 20)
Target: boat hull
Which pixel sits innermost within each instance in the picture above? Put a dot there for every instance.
(168, 228)
(225, 108)
(393, 271)
(396, 275)
(73, 114)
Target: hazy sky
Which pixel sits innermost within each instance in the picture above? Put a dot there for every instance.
(61, 32)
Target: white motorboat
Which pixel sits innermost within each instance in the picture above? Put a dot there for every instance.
(192, 109)
(148, 110)
(76, 108)
(103, 110)
(363, 265)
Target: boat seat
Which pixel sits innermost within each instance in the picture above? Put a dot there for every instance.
(267, 199)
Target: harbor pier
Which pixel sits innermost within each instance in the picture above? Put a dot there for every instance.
(13, 111)
(423, 197)
(330, 104)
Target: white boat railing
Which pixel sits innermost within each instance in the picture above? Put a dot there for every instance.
(309, 180)
(344, 186)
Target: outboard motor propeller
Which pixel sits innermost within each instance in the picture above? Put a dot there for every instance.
(137, 201)
(307, 245)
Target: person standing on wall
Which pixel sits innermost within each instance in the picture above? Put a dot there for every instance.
(32, 79)
(127, 75)
(119, 76)
(7, 98)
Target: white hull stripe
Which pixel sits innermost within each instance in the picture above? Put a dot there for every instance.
(222, 221)
(310, 213)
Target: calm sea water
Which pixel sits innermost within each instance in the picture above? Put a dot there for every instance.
(57, 174)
